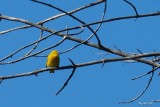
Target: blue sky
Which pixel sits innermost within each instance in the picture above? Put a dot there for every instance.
(91, 86)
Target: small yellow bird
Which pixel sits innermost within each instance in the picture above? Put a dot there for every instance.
(53, 60)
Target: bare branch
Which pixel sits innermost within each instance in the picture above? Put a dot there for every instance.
(132, 6)
(134, 99)
(155, 101)
(24, 48)
(139, 51)
(82, 29)
(65, 84)
(35, 44)
(90, 35)
(154, 69)
(84, 25)
(52, 18)
(72, 12)
(70, 16)
(77, 65)
(31, 55)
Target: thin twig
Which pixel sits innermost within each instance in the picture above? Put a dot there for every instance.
(31, 55)
(8, 56)
(99, 42)
(103, 63)
(77, 33)
(154, 69)
(35, 44)
(117, 48)
(104, 12)
(132, 6)
(134, 99)
(139, 51)
(155, 100)
(65, 84)
(52, 18)
(1, 80)
(72, 12)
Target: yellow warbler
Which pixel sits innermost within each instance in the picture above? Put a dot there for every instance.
(53, 60)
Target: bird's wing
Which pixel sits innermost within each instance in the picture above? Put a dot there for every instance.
(58, 61)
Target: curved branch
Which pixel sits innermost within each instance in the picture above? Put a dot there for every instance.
(15, 52)
(99, 42)
(35, 46)
(52, 18)
(132, 6)
(65, 84)
(31, 55)
(134, 99)
(105, 7)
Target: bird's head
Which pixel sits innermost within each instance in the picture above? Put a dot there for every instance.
(54, 52)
